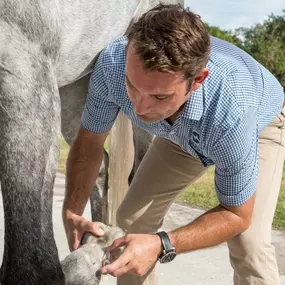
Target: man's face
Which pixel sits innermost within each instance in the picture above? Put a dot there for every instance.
(154, 95)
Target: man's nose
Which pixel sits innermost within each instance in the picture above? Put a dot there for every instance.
(142, 106)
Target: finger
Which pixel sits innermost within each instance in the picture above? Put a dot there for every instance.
(117, 264)
(95, 229)
(117, 243)
(127, 268)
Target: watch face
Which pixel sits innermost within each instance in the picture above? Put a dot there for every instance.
(168, 257)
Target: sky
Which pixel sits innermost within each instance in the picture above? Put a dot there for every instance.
(232, 14)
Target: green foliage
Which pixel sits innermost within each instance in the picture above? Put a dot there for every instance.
(265, 42)
(228, 36)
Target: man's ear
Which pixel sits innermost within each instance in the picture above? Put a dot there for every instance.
(199, 78)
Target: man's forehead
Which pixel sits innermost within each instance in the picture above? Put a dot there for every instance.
(136, 73)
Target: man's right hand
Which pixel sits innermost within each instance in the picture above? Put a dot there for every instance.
(75, 228)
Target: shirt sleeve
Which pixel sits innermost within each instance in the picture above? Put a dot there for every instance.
(234, 150)
(100, 112)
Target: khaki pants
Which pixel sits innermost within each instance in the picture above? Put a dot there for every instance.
(166, 170)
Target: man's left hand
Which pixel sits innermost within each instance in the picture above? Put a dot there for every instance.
(140, 254)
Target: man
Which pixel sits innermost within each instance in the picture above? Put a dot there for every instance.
(208, 103)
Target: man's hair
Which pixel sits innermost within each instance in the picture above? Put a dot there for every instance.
(169, 38)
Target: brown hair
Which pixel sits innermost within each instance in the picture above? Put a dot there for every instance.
(169, 38)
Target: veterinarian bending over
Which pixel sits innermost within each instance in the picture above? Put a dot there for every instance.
(208, 103)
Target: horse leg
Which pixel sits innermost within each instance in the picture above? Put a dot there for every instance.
(29, 145)
(73, 98)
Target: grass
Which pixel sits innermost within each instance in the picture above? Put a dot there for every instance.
(202, 192)
(64, 149)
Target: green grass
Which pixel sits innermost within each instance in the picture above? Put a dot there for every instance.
(201, 193)
(64, 149)
(279, 218)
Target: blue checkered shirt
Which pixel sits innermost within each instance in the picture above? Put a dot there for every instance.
(220, 122)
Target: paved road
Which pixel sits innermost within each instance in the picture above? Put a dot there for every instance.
(204, 267)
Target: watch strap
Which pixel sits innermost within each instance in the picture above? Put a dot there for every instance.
(166, 243)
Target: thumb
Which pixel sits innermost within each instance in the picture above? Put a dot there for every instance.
(122, 241)
(95, 229)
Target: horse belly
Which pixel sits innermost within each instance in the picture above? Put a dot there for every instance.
(87, 27)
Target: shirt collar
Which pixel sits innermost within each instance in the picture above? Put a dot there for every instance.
(194, 106)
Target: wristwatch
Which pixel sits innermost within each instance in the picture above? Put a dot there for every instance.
(168, 252)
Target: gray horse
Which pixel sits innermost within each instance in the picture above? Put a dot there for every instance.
(47, 49)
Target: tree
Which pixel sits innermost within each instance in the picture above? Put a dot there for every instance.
(266, 42)
(224, 35)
